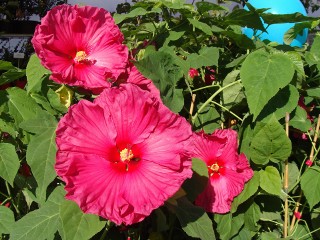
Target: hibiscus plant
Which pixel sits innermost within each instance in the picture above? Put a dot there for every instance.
(162, 122)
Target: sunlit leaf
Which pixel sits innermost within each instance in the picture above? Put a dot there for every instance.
(263, 75)
(270, 180)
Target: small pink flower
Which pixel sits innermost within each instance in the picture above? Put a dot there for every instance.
(193, 73)
(122, 156)
(210, 76)
(81, 46)
(298, 215)
(309, 163)
(228, 171)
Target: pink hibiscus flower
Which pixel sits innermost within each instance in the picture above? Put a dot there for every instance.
(228, 171)
(81, 46)
(123, 155)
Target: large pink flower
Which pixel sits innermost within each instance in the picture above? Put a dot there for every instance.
(228, 171)
(81, 46)
(123, 155)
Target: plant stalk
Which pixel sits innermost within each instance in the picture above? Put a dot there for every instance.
(286, 185)
(315, 138)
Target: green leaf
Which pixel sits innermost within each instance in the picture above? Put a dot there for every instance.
(270, 18)
(263, 75)
(21, 106)
(294, 174)
(35, 74)
(310, 184)
(270, 180)
(302, 232)
(11, 75)
(232, 95)
(314, 92)
(299, 119)
(208, 6)
(228, 225)
(160, 67)
(76, 224)
(252, 216)
(208, 56)
(315, 50)
(269, 143)
(250, 188)
(6, 220)
(284, 101)
(244, 18)
(9, 162)
(118, 18)
(41, 154)
(194, 220)
(37, 225)
(201, 26)
(208, 120)
(5, 65)
(42, 122)
(173, 36)
(195, 185)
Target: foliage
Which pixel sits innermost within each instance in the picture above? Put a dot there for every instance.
(253, 86)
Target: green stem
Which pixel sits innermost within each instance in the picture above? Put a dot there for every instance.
(206, 87)
(226, 109)
(12, 202)
(212, 97)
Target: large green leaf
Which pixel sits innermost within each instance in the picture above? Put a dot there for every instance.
(160, 67)
(270, 180)
(310, 184)
(249, 190)
(6, 220)
(41, 153)
(37, 225)
(269, 143)
(241, 17)
(263, 75)
(9, 162)
(21, 106)
(35, 74)
(77, 225)
(194, 220)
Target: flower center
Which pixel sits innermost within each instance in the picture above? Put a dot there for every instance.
(214, 168)
(81, 56)
(126, 155)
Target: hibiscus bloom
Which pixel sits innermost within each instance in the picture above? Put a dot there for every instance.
(228, 171)
(193, 73)
(122, 155)
(81, 46)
